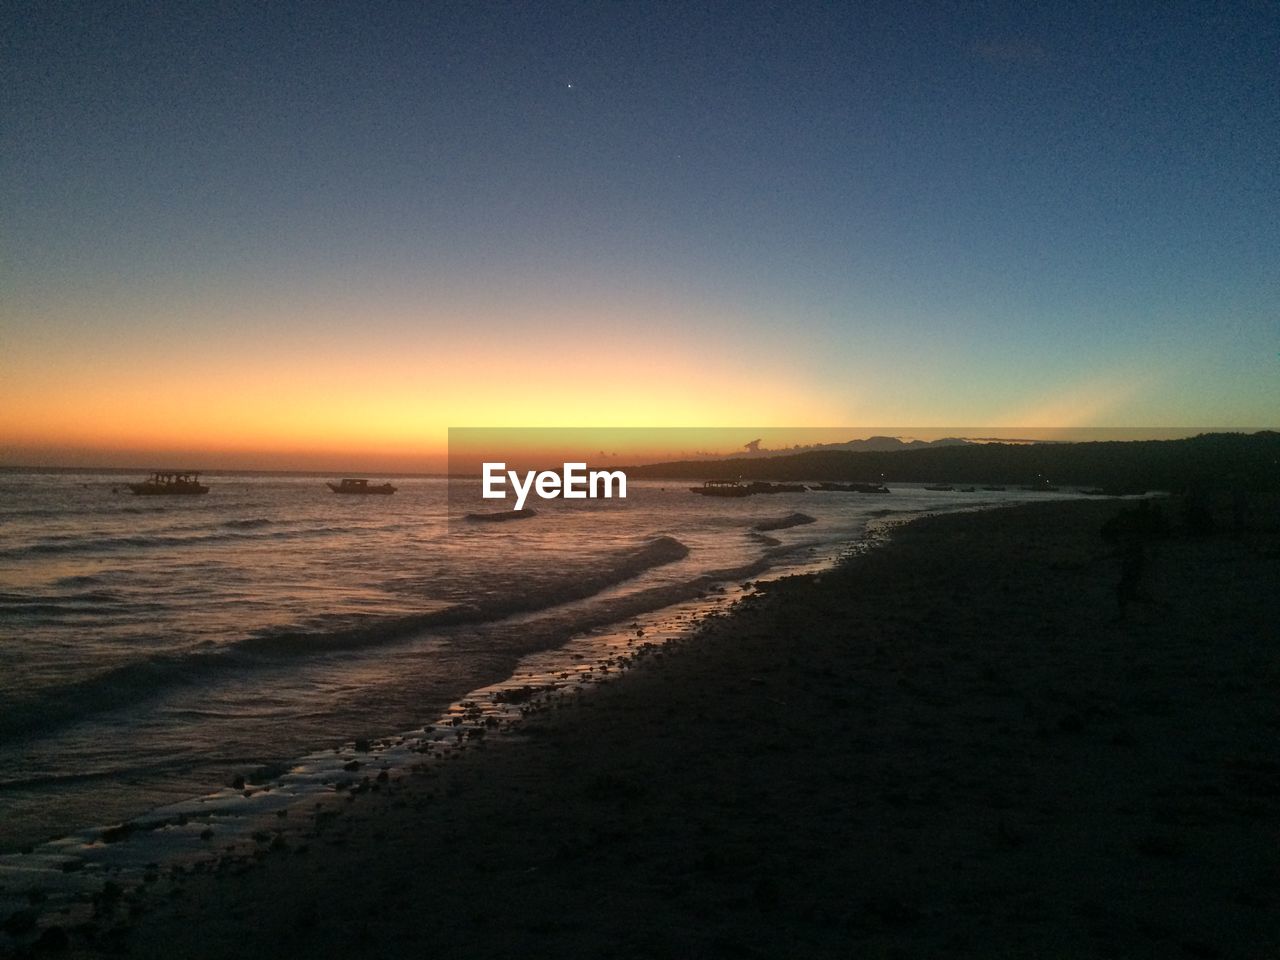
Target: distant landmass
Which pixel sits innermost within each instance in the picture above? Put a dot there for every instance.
(1213, 460)
(871, 443)
(879, 444)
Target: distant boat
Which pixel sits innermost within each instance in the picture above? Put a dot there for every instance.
(1041, 485)
(359, 486)
(722, 488)
(939, 486)
(853, 487)
(169, 483)
(968, 490)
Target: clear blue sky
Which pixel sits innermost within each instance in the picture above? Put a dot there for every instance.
(1064, 214)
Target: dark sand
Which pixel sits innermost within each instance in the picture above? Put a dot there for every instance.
(948, 747)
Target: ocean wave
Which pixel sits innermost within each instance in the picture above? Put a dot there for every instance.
(35, 513)
(117, 687)
(620, 568)
(72, 603)
(80, 580)
(556, 628)
(83, 544)
(135, 682)
(782, 523)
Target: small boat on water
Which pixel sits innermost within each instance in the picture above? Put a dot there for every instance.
(722, 488)
(939, 486)
(853, 487)
(169, 483)
(359, 486)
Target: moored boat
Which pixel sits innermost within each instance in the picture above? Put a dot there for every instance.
(359, 485)
(722, 488)
(853, 487)
(169, 483)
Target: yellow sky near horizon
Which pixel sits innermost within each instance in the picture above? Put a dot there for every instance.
(279, 385)
(369, 400)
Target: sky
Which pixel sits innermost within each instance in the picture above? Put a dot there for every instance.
(319, 235)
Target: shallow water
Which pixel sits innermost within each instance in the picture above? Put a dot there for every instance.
(155, 648)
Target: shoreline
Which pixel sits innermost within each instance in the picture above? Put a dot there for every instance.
(947, 746)
(543, 630)
(206, 828)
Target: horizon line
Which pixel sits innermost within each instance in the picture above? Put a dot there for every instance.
(1188, 433)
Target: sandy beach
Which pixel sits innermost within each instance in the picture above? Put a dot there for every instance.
(952, 745)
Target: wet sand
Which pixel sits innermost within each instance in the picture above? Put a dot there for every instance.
(951, 746)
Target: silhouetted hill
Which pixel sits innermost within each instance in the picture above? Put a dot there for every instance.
(876, 443)
(1250, 461)
(890, 444)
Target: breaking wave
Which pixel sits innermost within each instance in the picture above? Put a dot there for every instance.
(142, 679)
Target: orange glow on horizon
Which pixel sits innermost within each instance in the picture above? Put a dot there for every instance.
(351, 400)
(269, 384)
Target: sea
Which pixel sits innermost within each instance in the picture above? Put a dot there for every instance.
(154, 650)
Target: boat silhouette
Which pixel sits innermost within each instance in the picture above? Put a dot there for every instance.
(169, 483)
(358, 485)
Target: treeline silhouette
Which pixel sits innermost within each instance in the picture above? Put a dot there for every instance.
(1208, 461)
